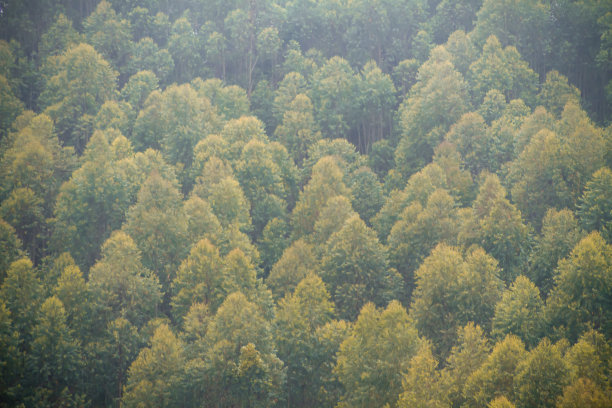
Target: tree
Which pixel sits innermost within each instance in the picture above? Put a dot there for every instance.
(261, 181)
(333, 96)
(174, 121)
(58, 38)
(496, 377)
(80, 84)
(470, 135)
(231, 101)
(556, 92)
(498, 227)
(55, 358)
(421, 384)
(587, 359)
(154, 377)
(273, 242)
(504, 70)
(452, 15)
(201, 221)
(452, 290)
(240, 367)
(146, 55)
(356, 269)
(326, 182)
(523, 24)
(373, 359)
(556, 164)
(500, 402)
(229, 204)
(73, 292)
(296, 262)
(10, 357)
(23, 210)
(158, 225)
(21, 292)
(467, 355)
(367, 193)
(418, 231)
(418, 189)
(436, 101)
(138, 87)
(333, 216)
(298, 130)
(10, 107)
(110, 35)
(520, 312)
(10, 247)
(595, 208)
(541, 376)
(93, 202)
(33, 167)
(540, 119)
(110, 355)
(376, 94)
(330, 337)
(121, 287)
(560, 233)
(582, 290)
(292, 85)
(583, 393)
(299, 316)
(240, 275)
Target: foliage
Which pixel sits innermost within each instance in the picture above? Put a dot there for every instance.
(373, 359)
(203, 203)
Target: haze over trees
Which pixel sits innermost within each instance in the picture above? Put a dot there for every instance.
(299, 203)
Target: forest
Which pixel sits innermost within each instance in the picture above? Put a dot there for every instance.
(306, 203)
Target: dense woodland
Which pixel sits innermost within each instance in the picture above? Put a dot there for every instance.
(306, 203)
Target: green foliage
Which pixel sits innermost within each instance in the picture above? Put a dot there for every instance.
(587, 359)
(121, 286)
(10, 107)
(79, 84)
(55, 356)
(452, 290)
(504, 70)
(326, 182)
(145, 209)
(373, 359)
(21, 292)
(293, 266)
(581, 296)
(10, 247)
(198, 280)
(520, 312)
(560, 233)
(496, 225)
(541, 376)
(556, 164)
(158, 225)
(154, 376)
(496, 376)
(240, 366)
(298, 318)
(422, 381)
(583, 393)
(467, 355)
(93, 202)
(356, 269)
(436, 101)
(419, 230)
(298, 130)
(595, 208)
